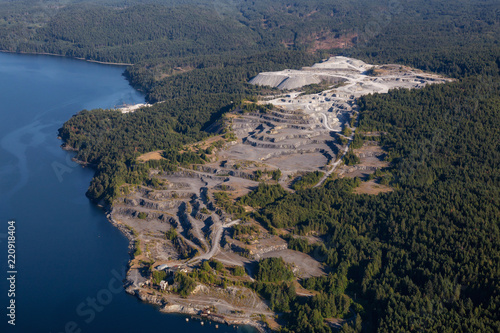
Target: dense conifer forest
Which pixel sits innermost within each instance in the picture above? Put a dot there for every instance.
(425, 257)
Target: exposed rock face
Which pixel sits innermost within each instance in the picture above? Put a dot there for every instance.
(258, 252)
(353, 75)
(273, 79)
(284, 132)
(176, 308)
(300, 127)
(328, 71)
(150, 204)
(185, 216)
(145, 297)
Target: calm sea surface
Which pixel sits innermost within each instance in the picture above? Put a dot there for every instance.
(69, 259)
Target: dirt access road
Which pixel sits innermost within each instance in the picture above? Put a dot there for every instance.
(216, 243)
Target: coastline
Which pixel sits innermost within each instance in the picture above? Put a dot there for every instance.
(65, 56)
(163, 306)
(77, 161)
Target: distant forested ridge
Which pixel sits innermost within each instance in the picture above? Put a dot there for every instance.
(131, 31)
(432, 35)
(137, 32)
(424, 257)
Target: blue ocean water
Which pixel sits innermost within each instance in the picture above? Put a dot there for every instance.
(69, 258)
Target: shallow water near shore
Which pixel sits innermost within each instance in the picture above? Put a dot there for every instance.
(69, 259)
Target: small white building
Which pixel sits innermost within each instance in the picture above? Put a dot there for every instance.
(163, 285)
(162, 267)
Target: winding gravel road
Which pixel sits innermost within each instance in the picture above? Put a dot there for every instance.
(337, 162)
(325, 122)
(216, 243)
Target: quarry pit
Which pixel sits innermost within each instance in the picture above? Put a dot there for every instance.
(294, 131)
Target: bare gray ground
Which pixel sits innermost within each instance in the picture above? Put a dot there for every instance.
(306, 162)
(305, 264)
(297, 135)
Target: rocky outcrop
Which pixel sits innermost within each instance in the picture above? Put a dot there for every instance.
(166, 195)
(176, 308)
(260, 251)
(328, 71)
(151, 215)
(163, 205)
(146, 297)
(298, 151)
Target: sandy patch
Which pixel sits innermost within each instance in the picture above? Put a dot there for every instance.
(154, 155)
(204, 144)
(372, 187)
(371, 158)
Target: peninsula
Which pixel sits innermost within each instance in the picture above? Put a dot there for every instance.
(309, 166)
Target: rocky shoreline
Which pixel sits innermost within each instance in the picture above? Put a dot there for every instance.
(195, 312)
(165, 307)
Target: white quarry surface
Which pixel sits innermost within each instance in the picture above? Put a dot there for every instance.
(351, 71)
(132, 108)
(353, 79)
(301, 127)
